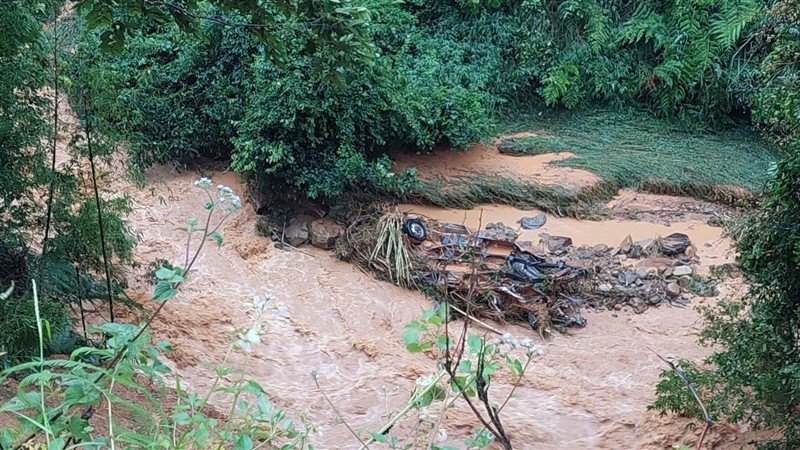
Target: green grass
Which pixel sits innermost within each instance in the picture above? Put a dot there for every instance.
(466, 193)
(635, 150)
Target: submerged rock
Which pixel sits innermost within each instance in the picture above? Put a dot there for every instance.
(532, 223)
(296, 234)
(324, 232)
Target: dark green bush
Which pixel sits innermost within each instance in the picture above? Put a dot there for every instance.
(754, 372)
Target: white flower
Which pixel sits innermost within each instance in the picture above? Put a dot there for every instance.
(248, 338)
(441, 435)
(424, 381)
(203, 183)
(423, 413)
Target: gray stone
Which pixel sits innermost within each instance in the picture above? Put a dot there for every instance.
(499, 232)
(628, 277)
(263, 226)
(604, 287)
(296, 234)
(557, 243)
(675, 244)
(532, 223)
(642, 272)
(679, 271)
(673, 289)
(684, 280)
(626, 244)
(324, 232)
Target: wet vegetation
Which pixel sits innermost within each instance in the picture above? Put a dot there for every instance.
(306, 99)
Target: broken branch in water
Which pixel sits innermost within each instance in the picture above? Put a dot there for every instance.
(682, 375)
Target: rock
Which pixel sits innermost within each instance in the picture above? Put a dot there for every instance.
(626, 244)
(604, 287)
(654, 300)
(557, 243)
(642, 248)
(684, 280)
(691, 252)
(642, 272)
(657, 264)
(617, 307)
(532, 223)
(263, 226)
(499, 232)
(686, 296)
(667, 272)
(673, 289)
(628, 277)
(296, 234)
(324, 232)
(622, 258)
(599, 249)
(675, 244)
(680, 271)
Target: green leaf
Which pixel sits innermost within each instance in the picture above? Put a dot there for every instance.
(379, 438)
(165, 274)
(412, 333)
(217, 238)
(515, 365)
(474, 344)
(163, 292)
(244, 443)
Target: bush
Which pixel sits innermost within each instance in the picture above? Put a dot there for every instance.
(755, 370)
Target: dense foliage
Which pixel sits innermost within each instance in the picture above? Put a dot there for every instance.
(38, 198)
(439, 74)
(755, 374)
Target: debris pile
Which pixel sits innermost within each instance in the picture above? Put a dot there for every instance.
(493, 274)
(638, 274)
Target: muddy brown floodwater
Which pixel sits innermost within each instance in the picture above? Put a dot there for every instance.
(590, 389)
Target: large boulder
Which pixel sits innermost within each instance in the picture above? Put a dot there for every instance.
(297, 233)
(324, 232)
(675, 244)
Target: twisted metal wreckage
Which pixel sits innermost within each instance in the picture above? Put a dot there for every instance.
(494, 274)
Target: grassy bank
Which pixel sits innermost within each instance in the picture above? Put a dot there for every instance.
(630, 150)
(635, 150)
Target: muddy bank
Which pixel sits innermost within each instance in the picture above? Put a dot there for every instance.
(589, 390)
(486, 160)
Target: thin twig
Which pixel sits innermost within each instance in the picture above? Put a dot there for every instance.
(336, 411)
(88, 125)
(682, 375)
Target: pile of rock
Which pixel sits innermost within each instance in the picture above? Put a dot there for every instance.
(637, 274)
(302, 230)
